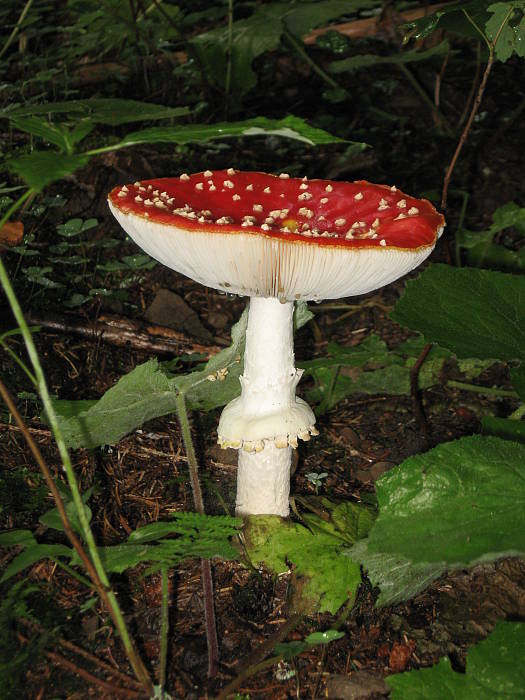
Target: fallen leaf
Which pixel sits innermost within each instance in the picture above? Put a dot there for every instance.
(399, 656)
(12, 233)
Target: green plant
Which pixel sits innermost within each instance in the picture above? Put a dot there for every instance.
(316, 479)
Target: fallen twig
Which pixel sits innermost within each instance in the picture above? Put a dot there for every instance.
(123, 332)
(206, 575)
(361, 28)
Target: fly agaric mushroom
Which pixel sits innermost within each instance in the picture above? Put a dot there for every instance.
(277, 240)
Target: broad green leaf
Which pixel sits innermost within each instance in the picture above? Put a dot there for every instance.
(371, 350)
(289, 127)
(480, 248)
(110, 111)
(495, 671)
(504, 428)
(33, 553)
(150, 391)
(15, 538)
(41, 168)
(52, 517)
(343, 520)
(397, 577)
(74, 227)
(493, 256)
(453, 17)
(330, 579)
(41, 128)
(259, 33)
(144, 393)
(474, 313)
(461, 502)
(366, 60)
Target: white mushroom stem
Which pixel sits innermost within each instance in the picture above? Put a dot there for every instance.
(263, 481)
(268, 385)
(265, 421)
(269, 379)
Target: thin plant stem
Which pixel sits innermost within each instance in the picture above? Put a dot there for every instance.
(74, 574)
(421, 419)
(518, 413)
(299, 48)
(164, 628)
(101, 577)
(16, 28)
(207, 579)
(426, 99)
(477, 102)
(487, 390)
(472, 90)
(462, 214)
(102, 589)
(12, 354)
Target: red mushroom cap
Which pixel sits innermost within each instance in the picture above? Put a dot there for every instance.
(237, 215)
(349, 214)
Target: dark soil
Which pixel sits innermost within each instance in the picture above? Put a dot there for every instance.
(144, 478)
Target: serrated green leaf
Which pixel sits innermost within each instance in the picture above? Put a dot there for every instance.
(474, 313)
(41, 128)
(188, 524)
(290, 127)
(463, 501)
(199, 536)
(330, 578)
(507, 25)
(494, 670)
(344, 520)
(41, 168)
